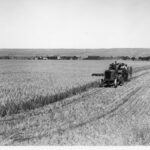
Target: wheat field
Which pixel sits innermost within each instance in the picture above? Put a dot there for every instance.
(42, 82)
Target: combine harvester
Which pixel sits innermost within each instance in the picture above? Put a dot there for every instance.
(117, 74)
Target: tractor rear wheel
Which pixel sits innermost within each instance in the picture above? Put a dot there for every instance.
(115, 83)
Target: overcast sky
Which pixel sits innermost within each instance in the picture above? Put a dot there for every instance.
(74, 23)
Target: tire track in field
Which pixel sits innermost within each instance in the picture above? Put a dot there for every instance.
(134, 107)
(138, 103)
(134, 103)
(59, 130)
(138, 106)
(109, 111)
(130, 118)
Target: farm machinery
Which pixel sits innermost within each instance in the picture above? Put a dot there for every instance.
(115, 75)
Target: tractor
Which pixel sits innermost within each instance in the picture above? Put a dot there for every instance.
(116, 74)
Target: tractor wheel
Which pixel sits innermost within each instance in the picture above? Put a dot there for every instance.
(130, 72)
(115, 83)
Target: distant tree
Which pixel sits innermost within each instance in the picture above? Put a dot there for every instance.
(133, 58)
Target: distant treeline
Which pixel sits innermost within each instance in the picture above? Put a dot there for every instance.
(41, 57)
(147, 58)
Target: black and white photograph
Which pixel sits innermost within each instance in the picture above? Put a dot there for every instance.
(75, 73)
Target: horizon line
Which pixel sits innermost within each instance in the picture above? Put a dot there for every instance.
(74, 48)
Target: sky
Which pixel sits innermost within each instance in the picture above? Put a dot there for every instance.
(74, 23)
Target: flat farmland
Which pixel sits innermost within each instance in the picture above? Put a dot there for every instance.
(98, 116)
(25, 80)
(21, 80)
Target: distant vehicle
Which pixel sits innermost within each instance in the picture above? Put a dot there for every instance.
(117, 74)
